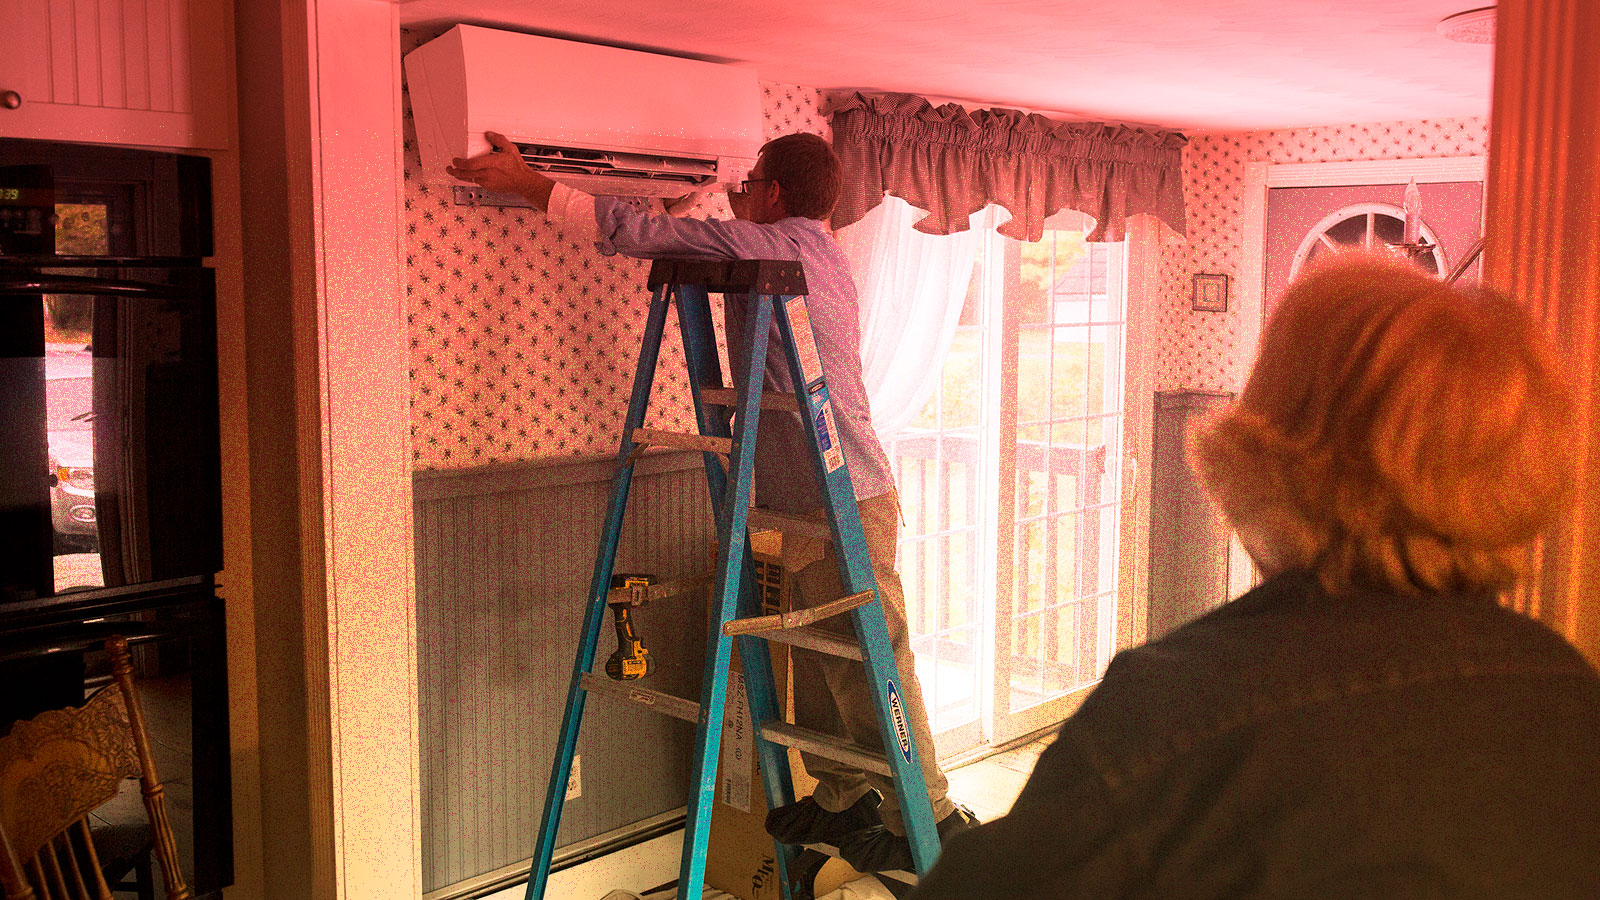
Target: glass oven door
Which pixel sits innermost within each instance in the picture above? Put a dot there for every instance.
(108, 402)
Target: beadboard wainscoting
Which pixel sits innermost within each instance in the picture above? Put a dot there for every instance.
(504, 558)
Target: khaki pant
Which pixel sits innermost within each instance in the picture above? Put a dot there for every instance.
(831, 694)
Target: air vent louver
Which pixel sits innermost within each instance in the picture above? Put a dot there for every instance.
(608, 164)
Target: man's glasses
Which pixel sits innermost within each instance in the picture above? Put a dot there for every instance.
(744, 186)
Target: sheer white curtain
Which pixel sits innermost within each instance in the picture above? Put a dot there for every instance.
(912, 287)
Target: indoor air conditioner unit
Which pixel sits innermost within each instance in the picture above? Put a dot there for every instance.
(600, 119)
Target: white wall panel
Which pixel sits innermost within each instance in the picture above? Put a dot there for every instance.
(504, 557)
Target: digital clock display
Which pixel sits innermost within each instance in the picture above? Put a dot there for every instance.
(10, 193)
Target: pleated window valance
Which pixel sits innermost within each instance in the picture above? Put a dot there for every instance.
(953, 163)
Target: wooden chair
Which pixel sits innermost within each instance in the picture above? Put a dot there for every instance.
(58, 767)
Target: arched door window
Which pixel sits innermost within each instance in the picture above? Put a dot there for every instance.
(1365, 226)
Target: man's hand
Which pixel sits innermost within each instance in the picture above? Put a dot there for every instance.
(679, 207)
(503, 170)
(739, 204)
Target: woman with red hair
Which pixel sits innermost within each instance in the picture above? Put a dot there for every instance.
(1369, 721)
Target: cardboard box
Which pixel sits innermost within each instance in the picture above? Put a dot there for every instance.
(740, 857)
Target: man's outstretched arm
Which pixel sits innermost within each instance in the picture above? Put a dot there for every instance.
(504, 171)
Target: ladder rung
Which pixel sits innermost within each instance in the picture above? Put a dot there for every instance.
(798, 617)
(656, 438)
(814, 639)
(821, 744)
(676, 707)
(769, 399)
(659, 591)
(803, 526)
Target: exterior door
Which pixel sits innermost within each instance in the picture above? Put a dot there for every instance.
(1305, 222)
(1060, 448)
(1012, 481)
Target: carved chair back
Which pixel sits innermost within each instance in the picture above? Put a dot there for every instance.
(55, 770)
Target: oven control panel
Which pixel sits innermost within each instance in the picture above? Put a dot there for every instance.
(27, 211)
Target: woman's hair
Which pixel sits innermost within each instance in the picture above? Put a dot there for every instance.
(1396, 433)
(807, 170)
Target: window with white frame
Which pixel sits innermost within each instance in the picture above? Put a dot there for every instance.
(1011, 487)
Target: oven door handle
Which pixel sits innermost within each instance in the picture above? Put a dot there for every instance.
(67, 284)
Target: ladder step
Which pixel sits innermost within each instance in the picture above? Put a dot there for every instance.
(769, 399)
(663, 590)
(798, 617)
(803, 526)
(676, 707)
(733, 276)
(826, 745)
(814, 639)
(656, 438)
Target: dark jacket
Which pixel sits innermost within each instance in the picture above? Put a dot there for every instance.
(1291, 745)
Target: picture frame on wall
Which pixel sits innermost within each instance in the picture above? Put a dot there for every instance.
(1210, 293)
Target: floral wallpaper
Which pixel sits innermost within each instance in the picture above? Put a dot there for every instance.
(1194, 349)
(524, 340)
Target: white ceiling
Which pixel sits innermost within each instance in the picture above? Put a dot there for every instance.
(1195, 65)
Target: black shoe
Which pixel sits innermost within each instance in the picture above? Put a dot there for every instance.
(880, 850)
(806, 822)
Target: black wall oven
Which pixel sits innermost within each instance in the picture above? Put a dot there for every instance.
(110, 486)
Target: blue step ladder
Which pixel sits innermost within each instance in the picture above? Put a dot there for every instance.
(776, 292)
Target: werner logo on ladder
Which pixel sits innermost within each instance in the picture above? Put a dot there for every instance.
(764, 261)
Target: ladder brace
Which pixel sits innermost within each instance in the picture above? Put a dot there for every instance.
(801, 526)
(798, 617)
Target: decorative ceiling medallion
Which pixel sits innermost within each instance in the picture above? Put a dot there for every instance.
(1475, 26)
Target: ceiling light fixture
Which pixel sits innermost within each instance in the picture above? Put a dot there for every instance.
(1475, 26)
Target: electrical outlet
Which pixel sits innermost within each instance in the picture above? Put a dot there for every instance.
(575, 779)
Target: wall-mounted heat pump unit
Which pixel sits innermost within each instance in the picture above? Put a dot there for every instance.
(600, 119)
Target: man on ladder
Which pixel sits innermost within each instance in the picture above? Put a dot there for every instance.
(780, 213)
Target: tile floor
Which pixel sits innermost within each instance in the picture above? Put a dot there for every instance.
(988, 786)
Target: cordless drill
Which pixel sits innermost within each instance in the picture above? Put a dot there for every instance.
(631, 660)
